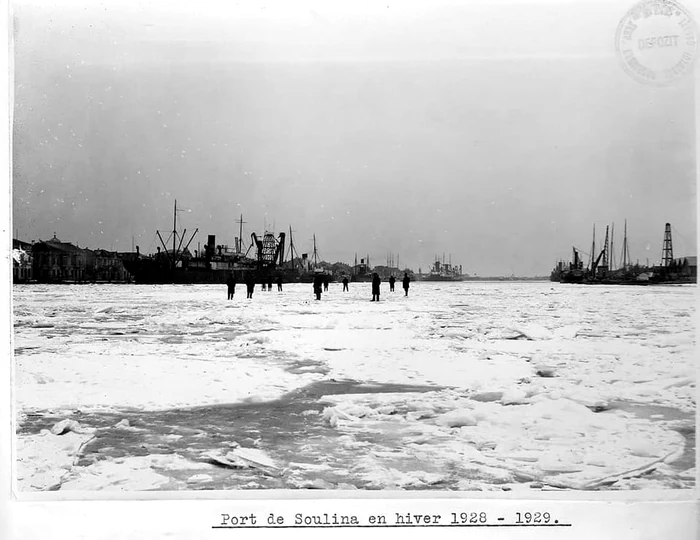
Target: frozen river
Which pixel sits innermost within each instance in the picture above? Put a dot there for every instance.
(460, 386)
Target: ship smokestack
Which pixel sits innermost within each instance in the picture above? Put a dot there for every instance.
(210, 247)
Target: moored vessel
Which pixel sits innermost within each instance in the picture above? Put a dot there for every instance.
(443, 271)
(214, 264)
(601, 269)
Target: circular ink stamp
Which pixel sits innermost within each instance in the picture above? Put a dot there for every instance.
(656, 42)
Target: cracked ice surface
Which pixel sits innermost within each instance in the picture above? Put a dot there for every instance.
(518, 371)
(489, 445)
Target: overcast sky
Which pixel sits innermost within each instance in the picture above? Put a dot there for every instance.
(496, 132)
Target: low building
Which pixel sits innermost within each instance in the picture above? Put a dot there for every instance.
(109, 266)
(680, 270)
(56, 261)
(688, 267)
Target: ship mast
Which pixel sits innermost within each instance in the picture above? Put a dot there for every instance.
(612, 251)
(315, 258)
(605, 250)
(240, 234)
(174, 227)
(291, 248)
(176, 254)
(625, 250)
(593, 249)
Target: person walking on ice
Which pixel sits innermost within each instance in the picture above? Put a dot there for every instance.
(231, 284)
(376, 281)
(345, 283)
(406, 281)
(318, 284)
(392, 280)
(250, 284)
(279, 283)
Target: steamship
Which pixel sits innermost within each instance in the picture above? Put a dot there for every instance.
(175, 263)
(443, 271)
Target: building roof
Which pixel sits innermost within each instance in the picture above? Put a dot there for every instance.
(58, 246)
(55, 244)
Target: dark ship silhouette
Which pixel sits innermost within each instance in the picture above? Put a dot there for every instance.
(214, 264)
(600, 269)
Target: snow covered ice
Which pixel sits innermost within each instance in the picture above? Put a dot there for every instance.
(460, 386)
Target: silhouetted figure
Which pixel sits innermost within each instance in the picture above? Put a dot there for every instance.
(279, 284)
(392, 280)
(345, 283)
(264, 285)
(406, 281)
(318, 284)
(231, 284)
(326, 279)
(269, 282)
(375, 287)
(250, 284)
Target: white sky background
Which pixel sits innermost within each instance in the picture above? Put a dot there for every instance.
(497, 132)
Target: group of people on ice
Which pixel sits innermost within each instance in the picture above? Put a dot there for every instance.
(320, 284)
(376, 281)
(250, 283)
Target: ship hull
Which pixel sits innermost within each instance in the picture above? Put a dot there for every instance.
(150, 272)
(361, 279)
(617, 282)
(440, 278)
(572, 277)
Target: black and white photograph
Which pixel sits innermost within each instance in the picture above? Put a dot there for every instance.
(352, 247)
